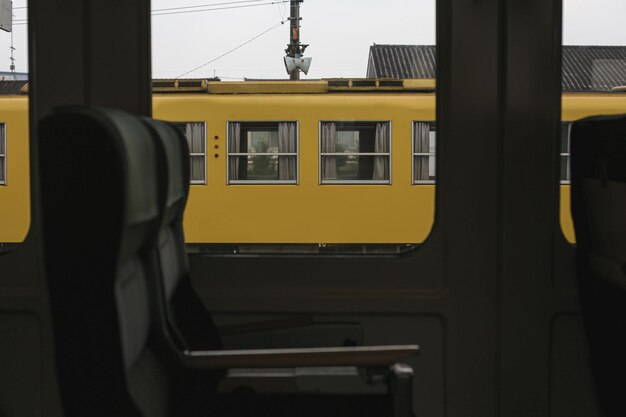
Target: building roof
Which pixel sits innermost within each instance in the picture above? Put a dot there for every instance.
(585, 68)
(12, 87)
(593, 68)
(11, 75)
(402, 61)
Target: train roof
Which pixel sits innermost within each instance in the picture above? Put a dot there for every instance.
(585, 68)
(323, 86)
(215, 86)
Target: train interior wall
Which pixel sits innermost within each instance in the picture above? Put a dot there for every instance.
(490, 297)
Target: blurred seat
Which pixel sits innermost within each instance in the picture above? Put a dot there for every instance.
(100, 218)
(131, 336)
(599, 214)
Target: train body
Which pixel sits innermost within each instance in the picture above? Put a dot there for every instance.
(311, 162)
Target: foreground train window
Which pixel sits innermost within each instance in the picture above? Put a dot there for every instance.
(355, 152)
(315, 155)
(196, 138)
(424, 141)
(262, 152)
(593, 77)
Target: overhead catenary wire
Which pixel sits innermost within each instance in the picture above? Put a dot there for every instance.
(208, 7)
(220, 8)
(232, 50)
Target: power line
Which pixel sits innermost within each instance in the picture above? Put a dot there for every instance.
(220, 8)
(206, 5)
(209, 7)
(232, 50)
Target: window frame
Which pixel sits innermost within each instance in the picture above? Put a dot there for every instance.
(3, 155)
(320, 154)
(568, 154)
(432, 128)
(191, 154)
(263, 182)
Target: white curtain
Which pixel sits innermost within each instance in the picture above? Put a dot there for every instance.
(234, 146)
(381, 145)
(421, 138)
(287, 144)
(195, 137)
(329, 145)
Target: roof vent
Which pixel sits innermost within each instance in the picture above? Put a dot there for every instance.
(364, 83)
(391, 83)
(172, 86)
(163, 84)
(339, 83)
(190, 83)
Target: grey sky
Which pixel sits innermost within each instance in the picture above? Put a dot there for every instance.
(339, 33)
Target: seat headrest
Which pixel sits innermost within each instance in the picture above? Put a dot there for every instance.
(109, 163)
(173, 156)
(598, 148)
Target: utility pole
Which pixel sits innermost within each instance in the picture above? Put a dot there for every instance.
(294, 62)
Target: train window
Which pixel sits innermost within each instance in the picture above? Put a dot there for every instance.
(424, 140)
(355, 152)
(593, 76)
(196, 138)
(3, 155)
(565, 152)
(242, 82)
(262, 153)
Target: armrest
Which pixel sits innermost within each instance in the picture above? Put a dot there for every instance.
(285, 358)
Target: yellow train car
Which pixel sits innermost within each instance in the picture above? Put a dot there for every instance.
(311, 204)
(329, 162)
(14, 170)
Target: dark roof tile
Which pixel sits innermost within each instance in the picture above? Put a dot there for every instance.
(585, 68)
(10, 88)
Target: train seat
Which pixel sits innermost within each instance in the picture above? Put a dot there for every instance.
(190, 330)
(113, 190)
(100, 215)
(599, 214)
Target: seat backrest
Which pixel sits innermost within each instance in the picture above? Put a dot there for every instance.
(184, 321)
(188, 320)
(100, 220)
(599, 214)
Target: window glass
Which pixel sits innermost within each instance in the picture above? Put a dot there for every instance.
(262, 152)
(593, 76)
(196, 139)
(3, 156)
(272, 69)
(564, 153)
(424, 145)
(14, 141)
(355, 152)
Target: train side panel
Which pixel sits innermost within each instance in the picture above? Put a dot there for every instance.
(15, 193)
(307, 212)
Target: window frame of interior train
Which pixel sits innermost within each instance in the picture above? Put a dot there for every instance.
(432, 156)
(355, 123)
(295, 154)
(482, 295)
(192, 152)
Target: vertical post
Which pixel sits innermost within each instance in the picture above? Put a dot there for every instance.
(294, 37)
